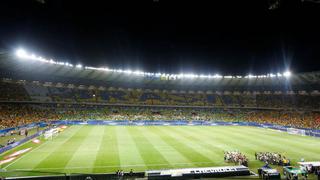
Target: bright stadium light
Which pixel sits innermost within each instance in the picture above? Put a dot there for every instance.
(287, 74)
(250, 76)
(21, 53)
(272, 75)
(203, 76)
(217, 76)
(138, 72)
(190, 76)
(128, 71)
(228, 77)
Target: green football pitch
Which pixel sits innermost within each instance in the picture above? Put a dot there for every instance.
(103, 149)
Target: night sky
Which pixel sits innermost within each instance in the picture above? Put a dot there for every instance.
(173, 36)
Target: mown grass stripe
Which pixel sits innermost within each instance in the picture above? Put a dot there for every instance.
(61, 155)
(34, 158)
(85, 154)
(292, 151)
(108, 155)
(129, 153)
(226, 141)
(174, 157)
(252, 145)
(196, 144)
(148, 152)
(184, 148)
(276, 140)
(201, 138)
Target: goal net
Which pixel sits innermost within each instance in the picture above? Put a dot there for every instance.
(296, 131)
(51, 133)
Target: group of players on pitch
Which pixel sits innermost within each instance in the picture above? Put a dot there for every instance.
(268, 157)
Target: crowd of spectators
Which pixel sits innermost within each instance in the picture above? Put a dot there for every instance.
(272, 158)
(19, 114)
(15, 114)
(235, 157)
(37, 92)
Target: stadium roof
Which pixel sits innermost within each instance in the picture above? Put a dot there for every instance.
(17, 68)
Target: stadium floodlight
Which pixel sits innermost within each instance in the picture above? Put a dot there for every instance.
(21, 53)
(272, 75)
(217, 76)
(279, 75)
(228, 77)
(138, 72)
(190, 75)
(128, 71)
(287, 74)
(250, 76)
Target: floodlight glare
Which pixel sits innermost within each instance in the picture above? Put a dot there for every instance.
(250, 76)
(287, 74)
(21, 53)
(279, 74)
(272, 75)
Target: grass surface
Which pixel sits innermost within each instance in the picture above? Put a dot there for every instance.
(101, 149)
(4, 139)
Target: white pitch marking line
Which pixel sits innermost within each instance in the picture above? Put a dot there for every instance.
(21, 157)
(100, 167)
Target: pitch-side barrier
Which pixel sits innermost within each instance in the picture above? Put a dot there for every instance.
(185, 173)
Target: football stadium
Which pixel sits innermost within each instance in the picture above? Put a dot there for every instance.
(76, 120)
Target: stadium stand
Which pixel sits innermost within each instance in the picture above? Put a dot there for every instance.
(13, 92)
(40, 92)
(46, 91)
(14, 114)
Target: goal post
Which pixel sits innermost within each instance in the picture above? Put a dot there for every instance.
(49, 134)
(301, 132)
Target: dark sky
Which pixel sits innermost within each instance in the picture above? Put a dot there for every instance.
(227, 37)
